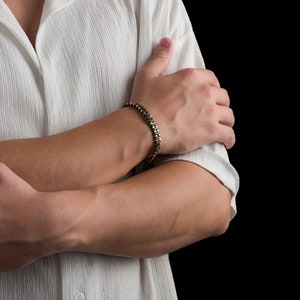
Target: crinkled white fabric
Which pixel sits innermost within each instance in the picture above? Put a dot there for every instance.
(85, 57)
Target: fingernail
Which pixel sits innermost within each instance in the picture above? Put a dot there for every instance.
(165, 43)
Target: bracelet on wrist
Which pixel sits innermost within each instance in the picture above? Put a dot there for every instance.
(151, 124)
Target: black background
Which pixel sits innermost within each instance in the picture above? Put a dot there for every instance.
(249, 260)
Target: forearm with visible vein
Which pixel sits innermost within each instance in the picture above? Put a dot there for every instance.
(150, 214)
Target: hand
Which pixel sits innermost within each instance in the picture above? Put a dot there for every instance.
(189, 106)
(18, 221)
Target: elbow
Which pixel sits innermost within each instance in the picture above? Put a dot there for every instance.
(221, 224)
(212, 218)
(220, 216)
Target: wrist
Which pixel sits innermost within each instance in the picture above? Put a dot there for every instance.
(57, 232)
(135, 130)
(144, 113)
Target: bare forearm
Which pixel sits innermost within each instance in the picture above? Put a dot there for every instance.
(148, 215)
(96, 153)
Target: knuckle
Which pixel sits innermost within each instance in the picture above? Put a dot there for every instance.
(210, 73)
(188, 74)
(208, 91)
(213, 77)
(211, 110)
(212, 128)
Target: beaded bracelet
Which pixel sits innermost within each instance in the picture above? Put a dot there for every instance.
(152, 125)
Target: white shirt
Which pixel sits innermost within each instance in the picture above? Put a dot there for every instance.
(85, 57)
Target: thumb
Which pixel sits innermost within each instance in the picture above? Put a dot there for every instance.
(160, 58)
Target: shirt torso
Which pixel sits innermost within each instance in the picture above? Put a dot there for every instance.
(82, 67)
